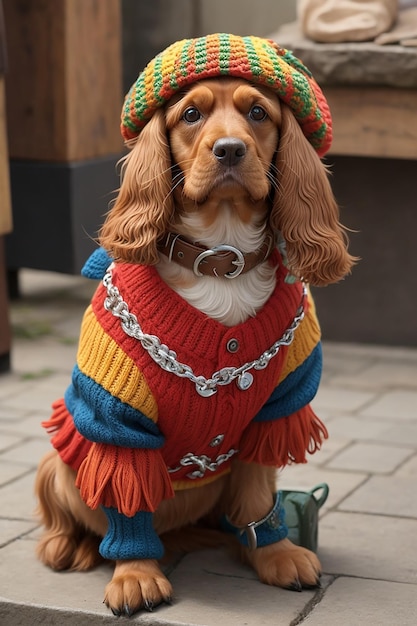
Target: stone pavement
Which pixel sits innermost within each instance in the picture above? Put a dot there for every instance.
(368, 526)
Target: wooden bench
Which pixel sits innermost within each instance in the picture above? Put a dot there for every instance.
(372, 93)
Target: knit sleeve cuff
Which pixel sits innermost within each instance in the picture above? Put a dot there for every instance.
(130, 537)
(296, 391)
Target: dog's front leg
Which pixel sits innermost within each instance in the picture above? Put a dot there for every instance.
(137, 584)
(280, 562)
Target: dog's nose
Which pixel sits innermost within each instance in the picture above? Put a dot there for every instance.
(229, 150)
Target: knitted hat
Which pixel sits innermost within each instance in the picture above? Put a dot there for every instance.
(260, 61)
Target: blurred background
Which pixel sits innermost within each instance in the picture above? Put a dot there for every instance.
(162, 22)
(65, 66)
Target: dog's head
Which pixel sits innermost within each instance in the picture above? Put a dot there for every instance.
(236, 144)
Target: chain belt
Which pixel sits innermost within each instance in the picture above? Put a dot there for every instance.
(167, 359)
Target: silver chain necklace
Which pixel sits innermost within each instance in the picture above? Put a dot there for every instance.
(167, 359)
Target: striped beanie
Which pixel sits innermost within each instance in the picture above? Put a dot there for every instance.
(260, 61)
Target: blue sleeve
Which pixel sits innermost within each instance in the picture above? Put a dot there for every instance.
(97, 264)
(295, 391)
(103, 418)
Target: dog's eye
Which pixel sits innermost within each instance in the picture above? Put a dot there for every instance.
(257, 113)
(191, 115)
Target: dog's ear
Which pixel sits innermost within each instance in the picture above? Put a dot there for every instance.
(143, 209)
(305, 210)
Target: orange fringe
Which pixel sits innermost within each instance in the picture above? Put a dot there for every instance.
(124, 478)
(283, 441)
(71, 446)
(57, 418)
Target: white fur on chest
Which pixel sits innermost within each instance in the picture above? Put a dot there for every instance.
(229, 301)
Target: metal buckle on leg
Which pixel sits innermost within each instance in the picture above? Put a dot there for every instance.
(269, 529)
(239, 262)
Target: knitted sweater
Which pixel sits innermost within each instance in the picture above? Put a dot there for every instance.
(134, 432)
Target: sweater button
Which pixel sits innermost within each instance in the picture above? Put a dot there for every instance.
(232, 346)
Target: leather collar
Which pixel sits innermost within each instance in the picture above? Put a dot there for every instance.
(222, 261)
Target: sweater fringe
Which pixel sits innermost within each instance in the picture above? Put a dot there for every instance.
(57, 418)
(129, 480)
(283, 441)
(69, 443)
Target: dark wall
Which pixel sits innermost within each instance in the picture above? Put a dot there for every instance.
(378, 302)
(149, 27)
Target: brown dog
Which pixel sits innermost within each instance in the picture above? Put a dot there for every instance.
(214, 178)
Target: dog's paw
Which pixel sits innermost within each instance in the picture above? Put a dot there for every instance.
(286, 565)
(137, 585)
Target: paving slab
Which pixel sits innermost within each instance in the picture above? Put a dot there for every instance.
(358, 602)
(18, 499)
(21, 614)
(409, 468)
(209, 588)
(369, 546)
(371, 457)
(39, 393)
(384, 495)
(397, 404)
(340, 399)
(11, 384)
(27, 426)
(29, 452)
(8, 416)
(52, 355)
(11, 471)
(405, 434)
(24, 580)
(8, 441)
(357, 428)
(10, 529)
(378, 375)
(214, 589)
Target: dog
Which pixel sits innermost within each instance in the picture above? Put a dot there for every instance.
(200, 352)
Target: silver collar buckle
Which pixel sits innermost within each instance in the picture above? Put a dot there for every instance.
(239, 261)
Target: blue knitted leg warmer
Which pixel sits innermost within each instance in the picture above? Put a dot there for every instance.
(130, 537)
(270, 529)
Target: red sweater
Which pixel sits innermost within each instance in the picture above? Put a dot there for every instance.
(124, 414)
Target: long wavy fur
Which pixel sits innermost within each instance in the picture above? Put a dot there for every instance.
(305, 210)
(143, 209)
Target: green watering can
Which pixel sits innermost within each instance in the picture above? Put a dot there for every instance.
(301, 514)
